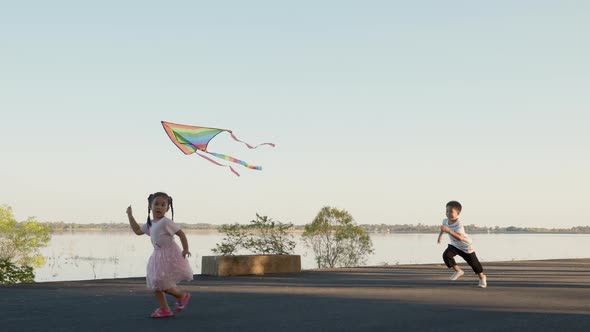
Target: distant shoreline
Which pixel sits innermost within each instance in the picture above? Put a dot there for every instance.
(90, 230)
(296, 229)
(206, 231)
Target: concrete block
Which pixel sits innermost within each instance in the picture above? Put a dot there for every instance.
(222, 266)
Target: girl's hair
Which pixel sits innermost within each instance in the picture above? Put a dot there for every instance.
(151, 198)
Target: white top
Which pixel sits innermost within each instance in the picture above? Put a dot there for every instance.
(457, 227)
(161, 232)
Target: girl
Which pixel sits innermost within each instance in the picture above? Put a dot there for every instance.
(167, 265)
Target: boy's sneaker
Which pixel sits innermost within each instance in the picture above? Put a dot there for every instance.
(457, 275)
(483, 283)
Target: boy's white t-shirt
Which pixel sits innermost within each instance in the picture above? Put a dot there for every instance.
(161, 232)
(457, 227)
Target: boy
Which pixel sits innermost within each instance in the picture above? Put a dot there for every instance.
(460, 245)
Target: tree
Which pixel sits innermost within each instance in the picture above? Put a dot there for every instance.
(262, 236)
(19, 246)
(336, 240)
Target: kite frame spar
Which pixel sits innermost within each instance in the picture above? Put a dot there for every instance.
(187, 147)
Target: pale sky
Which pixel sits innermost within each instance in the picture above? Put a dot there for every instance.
(387, 109)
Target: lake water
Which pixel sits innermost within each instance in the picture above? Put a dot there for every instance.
(102, 255)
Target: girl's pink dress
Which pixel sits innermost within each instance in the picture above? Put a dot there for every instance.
(166, 266)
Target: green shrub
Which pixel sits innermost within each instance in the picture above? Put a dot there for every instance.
(262, 236)
(11, 273)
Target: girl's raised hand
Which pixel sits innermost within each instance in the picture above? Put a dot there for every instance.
(129, 210)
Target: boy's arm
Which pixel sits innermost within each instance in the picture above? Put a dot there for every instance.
(184, 242)
(440, 236)
(458, 236)
(134, 226)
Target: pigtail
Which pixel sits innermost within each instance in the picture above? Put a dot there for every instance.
(149, 219)
(171, 206)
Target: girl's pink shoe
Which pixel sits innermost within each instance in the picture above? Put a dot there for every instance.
(180, 305)
(161, 313)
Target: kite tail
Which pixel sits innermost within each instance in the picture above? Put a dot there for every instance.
(216, 163)
(234, 160)
(248, 145)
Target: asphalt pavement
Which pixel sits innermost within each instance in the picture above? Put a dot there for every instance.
(551, 295)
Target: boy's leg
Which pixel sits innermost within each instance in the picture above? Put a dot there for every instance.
(472, 260)
(448, 257)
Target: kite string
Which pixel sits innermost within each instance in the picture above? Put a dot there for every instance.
(248, 145)
(216, 163)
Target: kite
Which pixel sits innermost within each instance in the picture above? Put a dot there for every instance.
(193, 139)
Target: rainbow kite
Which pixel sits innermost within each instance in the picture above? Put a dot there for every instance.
(192, 139)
